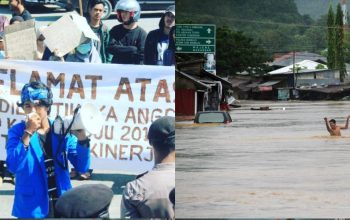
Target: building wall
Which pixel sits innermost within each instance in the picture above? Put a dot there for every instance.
(330, 77)
(185, 101)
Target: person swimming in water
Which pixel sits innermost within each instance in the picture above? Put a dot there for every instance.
(333, 128)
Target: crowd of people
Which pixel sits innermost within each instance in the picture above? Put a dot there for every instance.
(38, 157)
(125, 43)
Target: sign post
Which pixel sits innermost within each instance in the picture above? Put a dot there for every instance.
(195, 38)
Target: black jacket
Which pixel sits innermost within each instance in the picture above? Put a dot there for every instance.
(127, 46)
(153, 37)
(151, 53)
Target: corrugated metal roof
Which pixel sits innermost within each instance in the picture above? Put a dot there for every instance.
(269, 83)
(304, 65)
(287, 59)
(193, 79)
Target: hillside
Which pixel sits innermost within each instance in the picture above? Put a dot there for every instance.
(277, 26)
(316, 8)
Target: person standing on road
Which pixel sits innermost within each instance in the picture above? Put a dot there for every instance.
(17, 8)
(127, 40)
(38, 156)
(157, 41)
(96, 8)
(148, 195)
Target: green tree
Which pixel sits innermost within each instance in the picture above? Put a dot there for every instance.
(237, 53)
(339, 44)
(320, 66)
(283, 30)
(330, 39)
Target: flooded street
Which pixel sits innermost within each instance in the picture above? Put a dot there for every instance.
(266, 164)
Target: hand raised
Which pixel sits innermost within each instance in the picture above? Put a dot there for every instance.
(33, 122)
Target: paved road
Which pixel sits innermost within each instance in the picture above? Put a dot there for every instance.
(114, 180)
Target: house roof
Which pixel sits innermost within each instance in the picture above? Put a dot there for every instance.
(287, 59)
(330, 89)
(237, 81)
(217, 78)
(306, 65)
(269, 83)
(194, 80)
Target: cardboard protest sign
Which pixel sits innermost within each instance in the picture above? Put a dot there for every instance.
(67, 33)
(129, 98)
(20, 41)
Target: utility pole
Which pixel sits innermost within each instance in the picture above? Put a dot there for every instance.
(345, 12)
(294, 76)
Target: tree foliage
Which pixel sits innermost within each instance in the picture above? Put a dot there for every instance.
(330, 39)
(276, 26)
(339, 44)
(237, 53)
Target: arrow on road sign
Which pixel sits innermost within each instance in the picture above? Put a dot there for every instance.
(208, 30)
(208, 41)
(179, 48)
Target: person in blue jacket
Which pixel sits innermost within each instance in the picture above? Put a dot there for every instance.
(38, 156)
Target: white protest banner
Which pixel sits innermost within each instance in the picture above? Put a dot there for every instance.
(129, 97)
(20, 40)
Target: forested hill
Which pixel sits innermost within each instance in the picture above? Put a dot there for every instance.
(316, 8)
(273, 10)
(276, 25)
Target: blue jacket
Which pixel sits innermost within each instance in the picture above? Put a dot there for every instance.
(31, 194)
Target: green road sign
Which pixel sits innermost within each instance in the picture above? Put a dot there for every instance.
(195, 38)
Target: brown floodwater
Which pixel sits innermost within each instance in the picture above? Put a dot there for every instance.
(266, 164)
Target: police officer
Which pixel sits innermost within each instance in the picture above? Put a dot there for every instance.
(85, 201)
(148, 195)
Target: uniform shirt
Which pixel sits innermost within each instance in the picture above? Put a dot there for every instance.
(148, 195)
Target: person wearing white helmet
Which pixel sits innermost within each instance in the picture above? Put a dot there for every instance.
(127, 40)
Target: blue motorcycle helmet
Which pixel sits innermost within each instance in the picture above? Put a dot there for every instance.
(131, 6)
(36, 92)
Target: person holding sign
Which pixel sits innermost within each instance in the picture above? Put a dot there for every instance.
(84, 53)
(127, 40)
(148, 195)
(38, 156)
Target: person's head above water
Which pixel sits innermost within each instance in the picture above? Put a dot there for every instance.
(332, 123)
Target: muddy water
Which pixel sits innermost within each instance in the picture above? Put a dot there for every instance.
(277, 163)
